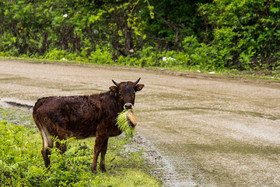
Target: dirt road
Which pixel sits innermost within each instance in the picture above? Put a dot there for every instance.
(213, 131)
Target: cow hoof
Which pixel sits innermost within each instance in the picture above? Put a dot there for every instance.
(103, 170)
(94, 171)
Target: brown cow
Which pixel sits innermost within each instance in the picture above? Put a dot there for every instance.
(84, 116)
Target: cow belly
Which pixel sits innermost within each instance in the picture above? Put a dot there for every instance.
(81, 130)
(65, 126)
(74, 123)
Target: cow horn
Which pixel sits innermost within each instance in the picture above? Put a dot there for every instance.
(137, 81)
(115, 83)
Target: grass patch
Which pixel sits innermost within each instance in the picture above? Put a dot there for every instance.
(21, 163)
(17, 117)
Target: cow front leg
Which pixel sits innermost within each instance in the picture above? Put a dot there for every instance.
(103, 153)
(99, 141)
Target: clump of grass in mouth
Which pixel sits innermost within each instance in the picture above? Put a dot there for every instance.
(124, 124)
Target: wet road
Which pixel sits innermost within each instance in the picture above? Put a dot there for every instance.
(213, 131)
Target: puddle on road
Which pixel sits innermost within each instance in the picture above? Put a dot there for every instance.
(15, 103)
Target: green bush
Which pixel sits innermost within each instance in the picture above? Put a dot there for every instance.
(247, 30)
(101, 56)
(223, 34)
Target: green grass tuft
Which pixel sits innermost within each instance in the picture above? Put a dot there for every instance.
(124, 126)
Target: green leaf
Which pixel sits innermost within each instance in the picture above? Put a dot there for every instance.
(274, 9)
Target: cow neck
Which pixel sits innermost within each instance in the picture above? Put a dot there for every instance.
(111, 99)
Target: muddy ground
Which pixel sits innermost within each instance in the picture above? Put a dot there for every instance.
(212, 130)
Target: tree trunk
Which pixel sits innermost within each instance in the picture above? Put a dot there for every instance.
(121, 18)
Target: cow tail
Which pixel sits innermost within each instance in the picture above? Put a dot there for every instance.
(47, 142)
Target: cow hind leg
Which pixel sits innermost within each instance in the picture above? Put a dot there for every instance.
(47, 144)
(61, 146)
(47, 141)
(45, 154)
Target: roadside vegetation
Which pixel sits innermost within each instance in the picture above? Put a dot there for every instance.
(21, 163)
(204, 35)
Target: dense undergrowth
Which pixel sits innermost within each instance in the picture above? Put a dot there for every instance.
(21, 163)
(220, 35)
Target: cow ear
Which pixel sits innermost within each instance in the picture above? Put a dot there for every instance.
(139, 87)
(114, 89)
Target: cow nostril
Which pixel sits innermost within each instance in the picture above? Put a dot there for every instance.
(128, 106)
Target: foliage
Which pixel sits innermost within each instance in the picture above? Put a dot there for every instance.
(247, 30)
(204, 34)
(173, 21)
(123, 124)
(21, 163)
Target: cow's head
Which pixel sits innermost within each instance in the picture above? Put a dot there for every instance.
(126, 92)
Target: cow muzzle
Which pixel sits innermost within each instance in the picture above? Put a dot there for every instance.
(128, 106)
